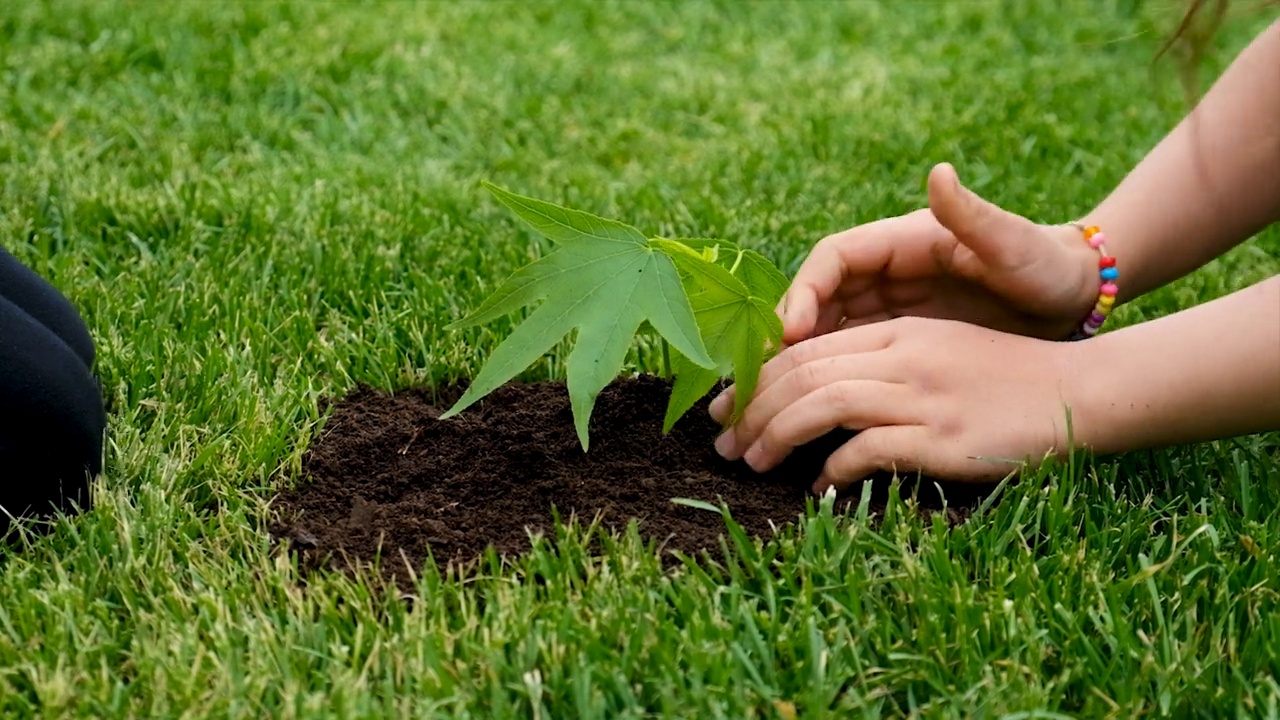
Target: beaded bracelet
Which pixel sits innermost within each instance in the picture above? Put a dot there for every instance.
(1108, 274)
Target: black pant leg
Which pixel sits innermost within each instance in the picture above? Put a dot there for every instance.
(26, 289)
(51, 420)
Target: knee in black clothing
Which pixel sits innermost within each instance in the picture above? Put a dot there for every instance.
(31, 293)
(51, 420)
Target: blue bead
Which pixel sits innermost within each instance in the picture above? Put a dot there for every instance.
(1110, 273)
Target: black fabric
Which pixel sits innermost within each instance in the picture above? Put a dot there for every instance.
(51, 411)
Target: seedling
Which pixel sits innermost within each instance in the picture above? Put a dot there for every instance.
(710, 300)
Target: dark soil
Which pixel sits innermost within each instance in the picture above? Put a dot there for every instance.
(386, 470)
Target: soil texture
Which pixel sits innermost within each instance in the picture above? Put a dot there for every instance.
(387, 477)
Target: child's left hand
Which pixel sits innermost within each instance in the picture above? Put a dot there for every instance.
(951, 400)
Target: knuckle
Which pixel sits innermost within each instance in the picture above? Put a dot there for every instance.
(934, 379)
(754, 421)
(876, 451)
(749, 424)
(818, 256)
(834, 238)
(795, 357)
(870, 448)
(772, 436)
(849, 461)
(918, 368)
(807, 378)
(947, 422)
(840, 395)
(800, 355)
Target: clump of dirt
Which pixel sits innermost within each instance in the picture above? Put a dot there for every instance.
(388, 478)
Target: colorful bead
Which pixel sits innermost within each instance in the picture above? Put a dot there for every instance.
(1107, 287)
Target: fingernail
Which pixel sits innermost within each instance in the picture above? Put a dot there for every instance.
(719, 408)
(727, 446)
(754, 456)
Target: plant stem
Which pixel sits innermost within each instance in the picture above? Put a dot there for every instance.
(736, 261)
(666, 360)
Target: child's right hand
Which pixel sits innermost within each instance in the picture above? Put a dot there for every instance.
(962, 258)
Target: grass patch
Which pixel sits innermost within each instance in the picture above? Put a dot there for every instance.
(259, 205)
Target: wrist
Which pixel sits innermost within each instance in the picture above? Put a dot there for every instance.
(1081, 274)
(1205, 373)
(1088, 274)
(1092, 396)
(1125, 244)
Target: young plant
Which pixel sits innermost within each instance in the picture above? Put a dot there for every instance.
(734, 307)
(712, 301)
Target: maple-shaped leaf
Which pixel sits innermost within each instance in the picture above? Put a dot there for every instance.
(604, 279)
(756, 272)
(737, 319)
(761, 277)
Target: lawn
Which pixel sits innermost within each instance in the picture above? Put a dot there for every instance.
(258, 206)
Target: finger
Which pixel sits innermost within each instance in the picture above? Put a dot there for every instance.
(991, 233)
(892, 448)
(813, 288)
(811, 377)
(721, 406)
(849, 404)
(845, 342)
(859, 253)
(852, 341)
(829, 318)
(888, 299)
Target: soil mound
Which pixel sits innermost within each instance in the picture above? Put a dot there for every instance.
(387, 476)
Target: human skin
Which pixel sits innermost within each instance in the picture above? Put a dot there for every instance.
(1210, 184)
(872, 342)
(963, 402)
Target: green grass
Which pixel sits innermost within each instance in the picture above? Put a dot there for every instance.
(259, 205)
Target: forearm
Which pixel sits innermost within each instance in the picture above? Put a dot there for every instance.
(1209, 185)
(1209, 372)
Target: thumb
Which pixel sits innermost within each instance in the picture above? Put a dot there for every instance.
(993, 234)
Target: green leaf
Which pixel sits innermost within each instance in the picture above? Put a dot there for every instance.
(603, 279)
(722, 252)
(736, 321)
(756, 272)
(697, 504)
(761, 277)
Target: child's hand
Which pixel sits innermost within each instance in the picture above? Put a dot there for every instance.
(952, 400)
(963, 258)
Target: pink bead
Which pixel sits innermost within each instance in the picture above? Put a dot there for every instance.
(1109, 289)
(1097, 240)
